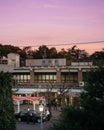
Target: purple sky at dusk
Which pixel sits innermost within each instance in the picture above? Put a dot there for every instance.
(44, 22)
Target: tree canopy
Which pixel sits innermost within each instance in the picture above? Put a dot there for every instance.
(7, 119)
(71, 54)
(90, 114)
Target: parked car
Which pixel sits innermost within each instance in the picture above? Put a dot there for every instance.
(28, 116)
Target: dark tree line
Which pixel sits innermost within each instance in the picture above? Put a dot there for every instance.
(7, 119)
(90, 114)
(71, 54)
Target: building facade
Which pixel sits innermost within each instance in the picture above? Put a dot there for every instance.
(41, 75)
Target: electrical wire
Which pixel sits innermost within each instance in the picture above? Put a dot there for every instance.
(77, 43)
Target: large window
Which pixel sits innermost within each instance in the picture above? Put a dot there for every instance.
(3, 62)
(45, 77)
(69, 77)
(22, 78)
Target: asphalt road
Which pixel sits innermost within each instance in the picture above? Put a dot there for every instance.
(46, 125)
(24, 126)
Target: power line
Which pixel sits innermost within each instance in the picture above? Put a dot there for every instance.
(77, 43)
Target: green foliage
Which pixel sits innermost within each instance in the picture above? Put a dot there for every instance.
(5, 49)
(72, 54)
(98, 57)
(43, 52)
(93, 99)
(90, 115)
(95, 83)
(71, 119)
(7, 119)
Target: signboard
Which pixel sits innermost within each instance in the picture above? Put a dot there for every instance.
(45, 62)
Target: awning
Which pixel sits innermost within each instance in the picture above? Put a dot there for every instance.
(30, 98)
(17, 98)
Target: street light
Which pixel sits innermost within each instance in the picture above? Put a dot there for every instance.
(41, 110)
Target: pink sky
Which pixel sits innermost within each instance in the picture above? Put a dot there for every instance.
(44, 22)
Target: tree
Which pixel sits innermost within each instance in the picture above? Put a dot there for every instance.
(93, 99)
(7, 119)
(52, 53)
(5, 49)
(28, 51)
(98, 57)
(62, 53)
(63, 89)
(77, 54)
(90, 114)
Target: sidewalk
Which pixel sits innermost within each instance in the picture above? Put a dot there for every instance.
(55, 114)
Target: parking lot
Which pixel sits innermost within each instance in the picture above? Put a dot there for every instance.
(31, 126)
(37, 126)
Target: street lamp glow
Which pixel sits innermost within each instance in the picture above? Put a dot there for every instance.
(41, 108)
(59, 92)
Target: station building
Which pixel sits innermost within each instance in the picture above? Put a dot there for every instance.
(40, 76)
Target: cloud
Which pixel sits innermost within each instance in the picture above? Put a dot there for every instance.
(52, 6)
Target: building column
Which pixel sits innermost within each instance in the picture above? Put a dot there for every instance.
(58, 75)
(32, 76)
(18, 104)
(80, 75)
(34, 106)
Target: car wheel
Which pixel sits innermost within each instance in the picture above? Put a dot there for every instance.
(34, 122)
(19, 119)
(38, 121)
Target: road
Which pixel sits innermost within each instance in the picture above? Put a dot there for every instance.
(30, 126)
(37, 126)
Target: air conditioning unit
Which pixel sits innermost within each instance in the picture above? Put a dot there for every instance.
(81, 83)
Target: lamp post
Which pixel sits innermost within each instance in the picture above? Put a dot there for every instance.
(41, 110)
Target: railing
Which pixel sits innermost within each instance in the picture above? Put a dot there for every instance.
(48, 85)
